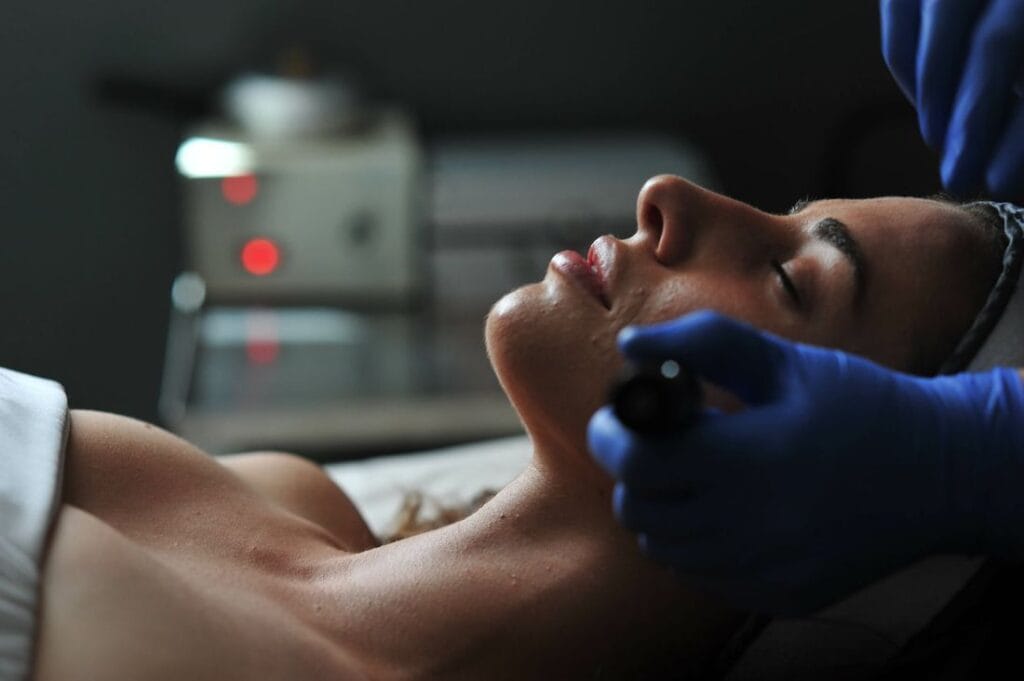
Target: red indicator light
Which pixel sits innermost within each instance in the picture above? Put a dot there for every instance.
(262, 352)
(240, 190)
(262, 342)
(260, 257)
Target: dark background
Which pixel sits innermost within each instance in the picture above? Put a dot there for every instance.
(787, 99)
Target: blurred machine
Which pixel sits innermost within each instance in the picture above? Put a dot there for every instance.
(337, 284)
(332, 218)
(502, 206)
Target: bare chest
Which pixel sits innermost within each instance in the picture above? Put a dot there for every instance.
(113, 609)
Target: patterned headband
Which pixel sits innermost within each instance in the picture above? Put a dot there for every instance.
(996, 337)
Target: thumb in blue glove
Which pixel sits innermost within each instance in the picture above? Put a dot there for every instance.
(837, 472)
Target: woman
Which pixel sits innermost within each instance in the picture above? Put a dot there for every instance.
(164, 563)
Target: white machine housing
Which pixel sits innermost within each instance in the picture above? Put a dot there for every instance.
(344, 211)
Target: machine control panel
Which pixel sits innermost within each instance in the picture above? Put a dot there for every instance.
(336, 219)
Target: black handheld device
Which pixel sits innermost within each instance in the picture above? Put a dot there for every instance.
(656, 398)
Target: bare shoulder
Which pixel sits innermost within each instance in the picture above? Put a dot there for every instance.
(119, 468)
(127, 472)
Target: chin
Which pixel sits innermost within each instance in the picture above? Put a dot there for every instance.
(555, 357)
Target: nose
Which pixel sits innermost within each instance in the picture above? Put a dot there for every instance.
(673, 215)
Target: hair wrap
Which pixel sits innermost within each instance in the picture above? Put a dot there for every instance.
(996, 337)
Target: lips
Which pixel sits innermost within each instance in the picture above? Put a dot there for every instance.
(588, 272)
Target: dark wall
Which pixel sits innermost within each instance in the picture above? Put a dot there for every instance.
(788, 98)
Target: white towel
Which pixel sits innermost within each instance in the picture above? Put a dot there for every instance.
(33, 432)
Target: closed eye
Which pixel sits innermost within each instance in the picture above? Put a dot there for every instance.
(787, 283)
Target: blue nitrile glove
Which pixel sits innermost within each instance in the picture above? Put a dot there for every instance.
(837, 472)
(961, 64)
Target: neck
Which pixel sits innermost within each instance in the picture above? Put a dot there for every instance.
(540, 579)
(556, 494)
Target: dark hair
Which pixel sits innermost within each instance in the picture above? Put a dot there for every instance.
(985, 219)
(414, 517)
(1000, 217)
(986, 224)
(990, 225)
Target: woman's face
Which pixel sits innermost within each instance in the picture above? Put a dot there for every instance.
(894, 279)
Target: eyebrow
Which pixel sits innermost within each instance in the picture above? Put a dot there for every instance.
(799, 206)
(836, 234)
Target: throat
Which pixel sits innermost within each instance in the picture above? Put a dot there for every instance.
(528, 563)
(547, 499)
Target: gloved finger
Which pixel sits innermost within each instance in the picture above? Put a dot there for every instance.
(611, 444)
(629, 457)
(718, 448)
(660, 513)
(733, 355)
(984, 99)
(901, 24)
(710, 555)
(945, 37)
(1005, 175)
(660, 463)
(688, 557)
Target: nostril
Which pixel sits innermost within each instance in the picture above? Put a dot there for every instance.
(652, 217)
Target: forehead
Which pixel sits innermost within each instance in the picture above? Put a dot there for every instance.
(886, 209)
(921, 256)
(890, 227)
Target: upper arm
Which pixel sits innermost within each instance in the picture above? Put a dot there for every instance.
(134, 475)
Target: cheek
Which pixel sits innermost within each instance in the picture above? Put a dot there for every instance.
(555, 357)
(731, 295)
(672, 298)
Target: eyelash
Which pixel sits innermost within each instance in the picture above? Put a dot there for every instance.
(787, 283)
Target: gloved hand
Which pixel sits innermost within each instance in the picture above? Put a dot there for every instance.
(837, 472)
(962, 65)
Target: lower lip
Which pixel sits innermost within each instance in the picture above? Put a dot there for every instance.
(576, 267)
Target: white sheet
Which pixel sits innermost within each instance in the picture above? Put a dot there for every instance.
(453, 475)
(33, 430)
